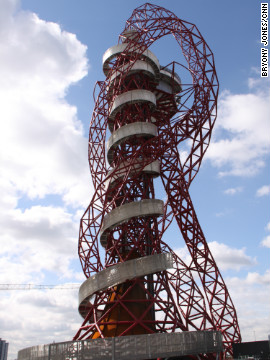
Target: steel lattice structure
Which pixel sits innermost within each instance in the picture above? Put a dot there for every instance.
(150, 114)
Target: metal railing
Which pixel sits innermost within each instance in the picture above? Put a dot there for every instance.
(134, 347)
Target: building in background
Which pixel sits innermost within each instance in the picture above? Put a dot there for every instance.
(259, 350)
(3, 349)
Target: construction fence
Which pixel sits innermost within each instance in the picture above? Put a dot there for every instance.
(149, 346)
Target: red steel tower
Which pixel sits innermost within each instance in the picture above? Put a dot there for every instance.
(143, 115)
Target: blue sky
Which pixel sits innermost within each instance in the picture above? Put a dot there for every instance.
(51, 57)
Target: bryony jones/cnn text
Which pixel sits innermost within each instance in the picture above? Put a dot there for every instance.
(264, 39)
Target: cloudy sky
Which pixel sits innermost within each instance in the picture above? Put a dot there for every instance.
(50, 59)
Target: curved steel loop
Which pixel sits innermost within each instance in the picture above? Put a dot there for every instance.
(203, 73)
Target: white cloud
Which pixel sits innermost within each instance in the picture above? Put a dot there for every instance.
(38, 317)
(34, 243)
(223, 213)
(241, 141)
(254, 278)
(233, 191)
(183, 254)
(42, 145)
(251, 299)
(230, 258)
(266, 241)
(263, 191)
(226, 257)
(43, 151)
(183, 155)
(36, 240)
